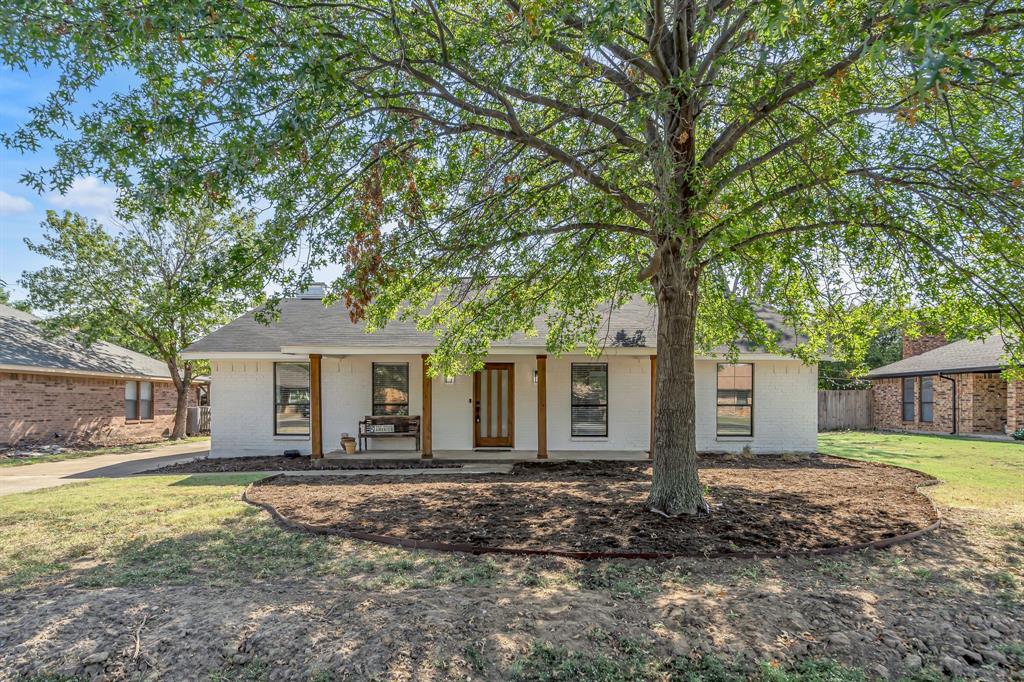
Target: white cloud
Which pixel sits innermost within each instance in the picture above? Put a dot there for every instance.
(12, 205)
(86, 194)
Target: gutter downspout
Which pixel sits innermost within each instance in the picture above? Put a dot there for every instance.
(956, 402)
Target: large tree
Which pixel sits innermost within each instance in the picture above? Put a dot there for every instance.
(152, 286)
(503, 159)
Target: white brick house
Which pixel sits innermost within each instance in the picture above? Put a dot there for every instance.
(265, 382)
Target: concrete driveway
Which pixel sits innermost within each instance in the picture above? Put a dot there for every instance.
(22, 479)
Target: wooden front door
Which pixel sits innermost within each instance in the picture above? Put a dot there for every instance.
(493, 410)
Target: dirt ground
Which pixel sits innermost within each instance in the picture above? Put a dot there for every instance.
(934, 603)
(774, 506)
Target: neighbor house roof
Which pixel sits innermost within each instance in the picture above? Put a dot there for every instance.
(25, 348)
(957, 357)
(305, 323)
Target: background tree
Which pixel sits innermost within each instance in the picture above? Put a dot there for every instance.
(154, 286)
(503, 159)
(5, 298)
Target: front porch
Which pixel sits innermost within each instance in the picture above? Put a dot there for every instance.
(492, 455)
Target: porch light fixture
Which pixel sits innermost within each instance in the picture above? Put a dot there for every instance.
(534, 376)
(449, 380)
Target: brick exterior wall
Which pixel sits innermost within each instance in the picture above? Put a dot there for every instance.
(40, 408)
(1014, 406)
(982, 404)
(922, 344)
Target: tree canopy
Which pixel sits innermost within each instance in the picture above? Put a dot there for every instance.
(153, 286)
(504, 159)
(807, 152)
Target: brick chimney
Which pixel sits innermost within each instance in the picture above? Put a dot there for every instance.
(922, 344)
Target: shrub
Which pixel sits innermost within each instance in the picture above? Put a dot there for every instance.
(1019, 434)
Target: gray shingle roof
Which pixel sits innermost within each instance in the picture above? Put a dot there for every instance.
(959, 356)
(307, 322)
(22, 344)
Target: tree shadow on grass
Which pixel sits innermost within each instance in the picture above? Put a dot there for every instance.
(238, 549)
(304, 622)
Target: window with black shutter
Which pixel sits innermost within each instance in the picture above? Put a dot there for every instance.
(927, 399)
(589, 401)
(908, 399)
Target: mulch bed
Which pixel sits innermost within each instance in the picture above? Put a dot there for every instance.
(244, 464)
(767, 506)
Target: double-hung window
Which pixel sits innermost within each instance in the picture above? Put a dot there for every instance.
(291, 398)
(908, 398)
(927, 399)
(589, 399)
(390, 388)
(138, 400)
(735, 405)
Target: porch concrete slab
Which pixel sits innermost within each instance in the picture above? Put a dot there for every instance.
(494, 455)
(481, 468)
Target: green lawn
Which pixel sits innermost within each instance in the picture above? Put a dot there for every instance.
(976, 474)
(153, 530)
(92, 452)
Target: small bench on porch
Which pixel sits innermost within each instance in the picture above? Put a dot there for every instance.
(389, 427)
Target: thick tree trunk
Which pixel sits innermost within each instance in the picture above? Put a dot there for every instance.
(182, 384)
(180, 412)
(676, 488)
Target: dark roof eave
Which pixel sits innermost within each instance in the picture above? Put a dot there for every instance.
(927, 372)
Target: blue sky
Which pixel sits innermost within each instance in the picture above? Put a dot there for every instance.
(22, 209)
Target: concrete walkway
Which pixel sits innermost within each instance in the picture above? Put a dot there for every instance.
(20, 479)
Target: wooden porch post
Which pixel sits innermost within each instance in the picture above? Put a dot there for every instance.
(654, 396)
(427, 446)
(542, 407)
(316, 428)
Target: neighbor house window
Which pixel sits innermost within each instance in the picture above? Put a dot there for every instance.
(908, 399)
(138, 400)
(390, 389)
(291, 398)
(735, 408)
(927, 399)
(589, 400)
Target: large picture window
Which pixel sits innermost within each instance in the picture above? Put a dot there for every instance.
(589, 401)
(390, 389)
(908, 399)
(291, 398)
(927, 399)
(138, 400)
(735, 408)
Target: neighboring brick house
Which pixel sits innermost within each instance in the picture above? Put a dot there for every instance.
(942, 387)
(60, 391)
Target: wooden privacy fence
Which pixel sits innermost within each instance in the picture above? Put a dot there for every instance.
(845, 410)
(198, 421)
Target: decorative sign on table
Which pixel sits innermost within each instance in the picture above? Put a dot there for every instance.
(380, 428)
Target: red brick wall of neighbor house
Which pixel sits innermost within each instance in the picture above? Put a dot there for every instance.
(80, 410)
(987, 408)
(982, 404)
(888, 406)
(1014, 406)
(922, 344)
